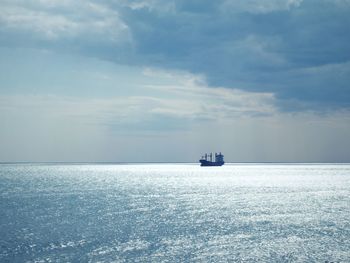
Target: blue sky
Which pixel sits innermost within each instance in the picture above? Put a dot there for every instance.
(154, 80)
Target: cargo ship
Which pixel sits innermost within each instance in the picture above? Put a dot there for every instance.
(207, 160)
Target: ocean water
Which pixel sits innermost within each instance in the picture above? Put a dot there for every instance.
(174, 213)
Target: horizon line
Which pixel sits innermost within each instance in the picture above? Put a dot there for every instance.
(160, 162)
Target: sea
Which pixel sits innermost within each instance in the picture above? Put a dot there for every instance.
(81, 212)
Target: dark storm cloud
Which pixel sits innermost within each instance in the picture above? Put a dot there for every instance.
(298, 50)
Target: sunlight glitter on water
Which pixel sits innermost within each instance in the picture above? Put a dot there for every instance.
(175, 212)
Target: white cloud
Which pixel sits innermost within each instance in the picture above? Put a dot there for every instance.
(189, 98)
(158, 5)
(52, 20)
(252, 6)
(49, 26)
(258, 6)
(47, 128)
(176, 120)
(215, 103)
(336, 68)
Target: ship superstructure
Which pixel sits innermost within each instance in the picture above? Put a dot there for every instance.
(207, 159)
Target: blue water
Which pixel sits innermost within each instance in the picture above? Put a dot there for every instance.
(174, 213)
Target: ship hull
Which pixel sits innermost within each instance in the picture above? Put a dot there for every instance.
(209, 163)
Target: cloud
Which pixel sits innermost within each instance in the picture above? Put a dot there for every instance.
(256, 6)
(208, 102)
(255, 46)
(252, 45)
(323, 87)
(63, 20)
(166, 107)
(52, 128)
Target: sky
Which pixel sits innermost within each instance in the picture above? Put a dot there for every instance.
(166, 81)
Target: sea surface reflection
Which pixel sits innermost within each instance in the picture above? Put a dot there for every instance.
(174, 212)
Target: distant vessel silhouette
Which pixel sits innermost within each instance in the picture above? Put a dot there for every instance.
(207, 160)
